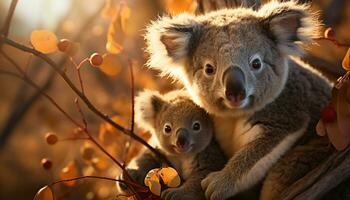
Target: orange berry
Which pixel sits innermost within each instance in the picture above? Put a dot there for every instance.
(46, 163)
(328, 114)
(64, 45)
(96, 59)
(329, 33)
(51, 138)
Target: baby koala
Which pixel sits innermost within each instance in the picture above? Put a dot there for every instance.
(184, 134)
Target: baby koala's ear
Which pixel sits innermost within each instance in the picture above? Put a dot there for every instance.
(170, 41)
(288, 23)
(147, 106)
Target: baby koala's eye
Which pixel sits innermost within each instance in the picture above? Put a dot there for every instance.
(167, 129)
(196, 126)
(209, 69)
(256, 62)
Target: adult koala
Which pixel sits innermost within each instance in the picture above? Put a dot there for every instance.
(237, 64)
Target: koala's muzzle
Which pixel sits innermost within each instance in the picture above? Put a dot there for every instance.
(182, 139)
(234, 82)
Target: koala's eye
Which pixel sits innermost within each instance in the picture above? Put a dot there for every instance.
(196, 126)
(256, 62)
(167, 129)
(209, 69)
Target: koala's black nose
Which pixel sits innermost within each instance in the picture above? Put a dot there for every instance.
(234, 83)
(182, 138)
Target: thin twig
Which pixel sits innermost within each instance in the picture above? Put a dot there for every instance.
(132, 95)
(132, 124)
(82, 127)
(77, 68)
(6, 27)
(102, 178)
(19, 110)
(76, 101)
(25, 78)
(18, 68)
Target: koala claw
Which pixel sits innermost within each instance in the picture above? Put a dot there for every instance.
(171, 194)
(218, 186)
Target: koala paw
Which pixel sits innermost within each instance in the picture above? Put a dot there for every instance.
(218, 186)
(134, 174)
(179, 193)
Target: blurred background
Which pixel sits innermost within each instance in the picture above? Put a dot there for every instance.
(26, 117)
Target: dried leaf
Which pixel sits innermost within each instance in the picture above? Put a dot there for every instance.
(44, 41)
(339, 141)
(346, 61)
(170, 177)
(155, 187)
(69, 172)
(152, 181)
(321, 128)
(152, 175)
(125, 14)
(110, 8)
(113, 46)
(100, 163)
(107, 133)
(336, 138)
(111, 65)
(343, 109)
(44, 193)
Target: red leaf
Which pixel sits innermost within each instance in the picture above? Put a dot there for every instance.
(337, 139)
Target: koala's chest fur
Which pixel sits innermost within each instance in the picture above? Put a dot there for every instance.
(233, 133)
(183, 164)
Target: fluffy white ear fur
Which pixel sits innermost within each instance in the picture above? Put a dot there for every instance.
(147, 104)
(290, 22)
(168, 40)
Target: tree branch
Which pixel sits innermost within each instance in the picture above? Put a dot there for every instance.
(321, 180)
(18, 112)
(6, 27)
(82, 96)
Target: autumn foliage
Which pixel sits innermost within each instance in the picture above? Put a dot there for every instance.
(115, 141)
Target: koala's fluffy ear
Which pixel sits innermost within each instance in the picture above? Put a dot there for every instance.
(170, 40)
(288, 23)
(147, 105)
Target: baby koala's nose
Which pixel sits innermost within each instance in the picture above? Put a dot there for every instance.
(182, 138)
(234, 83)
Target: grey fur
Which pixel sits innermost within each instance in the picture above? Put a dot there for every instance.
(275, 122)
(177, 110)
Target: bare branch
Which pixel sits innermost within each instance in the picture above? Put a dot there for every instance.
(321, 180)
(20, 110)
(105, 117)
(6, 27)
(143, 188)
